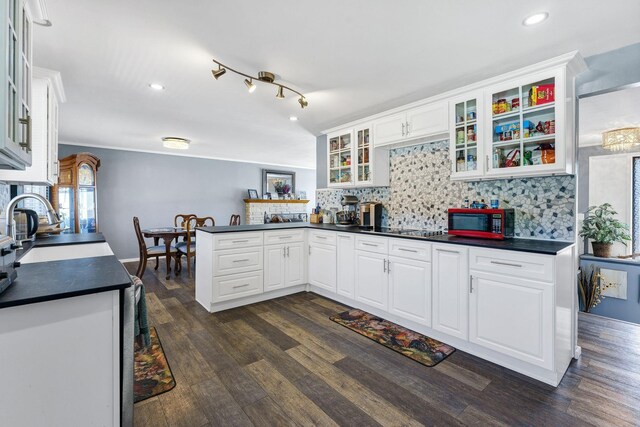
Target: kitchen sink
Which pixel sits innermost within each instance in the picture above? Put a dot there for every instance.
(62, 252)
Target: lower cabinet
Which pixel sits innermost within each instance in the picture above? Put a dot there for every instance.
(322, 266)
(346, 279)
(451, 290)
(513, 316)
(410, 289)
(371, 279)
(283, 266)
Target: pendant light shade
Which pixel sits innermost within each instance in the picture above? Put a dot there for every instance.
(621, 139)
(218, 73)
(303, 102)
(280, 94)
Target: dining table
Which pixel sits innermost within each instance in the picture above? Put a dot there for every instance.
(168, 235)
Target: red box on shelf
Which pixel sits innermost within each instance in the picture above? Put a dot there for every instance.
(542, 94)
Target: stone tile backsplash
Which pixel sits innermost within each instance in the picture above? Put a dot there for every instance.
(420, 191)
(5, 195)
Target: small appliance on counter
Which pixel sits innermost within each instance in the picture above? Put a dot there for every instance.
(27, 222)
(8, 265)
(347, 216)
(484, 223)
(371, 215)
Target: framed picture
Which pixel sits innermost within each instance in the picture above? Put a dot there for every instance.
(302, 195)
(267, 196)
(278, 182)
(253, 194)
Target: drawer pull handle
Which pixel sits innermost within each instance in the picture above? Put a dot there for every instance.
(240, 241)
(321, 237)
(285, 237)
(370, 244)
(241, 260)
(384, 265)
(470, 284)
(408, 250)
(448, 251)
(241, 286)
(506, 263)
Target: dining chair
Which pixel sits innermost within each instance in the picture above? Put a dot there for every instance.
(147, 252)
(188, 247)
(235, 219)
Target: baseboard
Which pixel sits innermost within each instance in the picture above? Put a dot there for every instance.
(129, 260)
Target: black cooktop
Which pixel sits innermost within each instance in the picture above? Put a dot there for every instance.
(407, 232)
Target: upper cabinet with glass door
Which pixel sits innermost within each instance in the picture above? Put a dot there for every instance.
(466, 140)
(15, 92)
(340, 159)
(527, 132)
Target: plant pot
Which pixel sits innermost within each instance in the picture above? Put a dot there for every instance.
(602, 250)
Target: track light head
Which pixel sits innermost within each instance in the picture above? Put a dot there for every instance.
(250, 86)
(280, 94)
(218, 73)
(303, 102)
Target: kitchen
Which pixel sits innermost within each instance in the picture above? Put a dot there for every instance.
(504, 310)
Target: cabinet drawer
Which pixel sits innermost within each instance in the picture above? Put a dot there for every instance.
(515, 264)
(237, 286)
(379, 245)
(237, 240)
(410, 249)
(278, 237)
(236, 261)
(323, 237)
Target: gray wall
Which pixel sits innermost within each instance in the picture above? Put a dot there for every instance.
(610, 70)
(321, 161)
(156, 187)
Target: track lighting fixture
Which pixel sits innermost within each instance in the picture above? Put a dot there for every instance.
(264, 77)
(218, 73)
(250, 86)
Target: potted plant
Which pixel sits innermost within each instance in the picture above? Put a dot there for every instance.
(601, 226)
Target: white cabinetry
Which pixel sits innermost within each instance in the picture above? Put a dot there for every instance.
(410, 289)
(353, 161)
(451, 290)
(430, 120)
(466, 150)
(346, 264)
(371, 279)
(283, 266)
(322, 260)
(47, 94)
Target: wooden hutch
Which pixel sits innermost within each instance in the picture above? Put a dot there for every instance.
(75, 196)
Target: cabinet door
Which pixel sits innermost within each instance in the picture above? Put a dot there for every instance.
(451, 290)
(512, 316)
(52, 166)
(322, 266)
(390, 129)
(466, 151)
(346, 267)
(340, 159)
(364, 156)
(372, 279)
(410, 289)
(274, 260)
(294, 265)
(431, 119)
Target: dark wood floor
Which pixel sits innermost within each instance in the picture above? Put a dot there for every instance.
(283, 362)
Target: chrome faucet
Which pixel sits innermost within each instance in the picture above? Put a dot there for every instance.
(52, 215)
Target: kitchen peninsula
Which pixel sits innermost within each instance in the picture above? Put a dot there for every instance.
(510, 302)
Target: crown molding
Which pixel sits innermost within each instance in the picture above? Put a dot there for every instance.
(56, 81)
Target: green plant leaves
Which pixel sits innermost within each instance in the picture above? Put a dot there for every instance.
(601, 226)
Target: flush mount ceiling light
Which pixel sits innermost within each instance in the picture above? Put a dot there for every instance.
(156, 86)
(175, 143)
(621, 139)
(534, 19)
(293, 118)
(263, 77)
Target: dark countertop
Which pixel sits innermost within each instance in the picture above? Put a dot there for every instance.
(624, 261)
(47, 281)
(69, 239)
(545, 247)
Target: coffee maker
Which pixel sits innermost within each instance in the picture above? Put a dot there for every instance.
(347, 217)
(371, 215)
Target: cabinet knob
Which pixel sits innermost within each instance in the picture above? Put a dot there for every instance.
(16, 264)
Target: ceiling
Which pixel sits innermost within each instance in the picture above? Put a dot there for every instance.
(613, 110)
(350, 58)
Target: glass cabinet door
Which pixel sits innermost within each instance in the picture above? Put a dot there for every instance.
(524, 126)
(340, 152)
(363, 150)
(466, 136)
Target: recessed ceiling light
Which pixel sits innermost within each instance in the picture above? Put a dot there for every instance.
(534, 19)
(293, 118)
(156, 86)
(175, 143)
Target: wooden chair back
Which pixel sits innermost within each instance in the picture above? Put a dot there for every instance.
(202, 221)
(235, 220)
(180, 220)
(141, 244)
